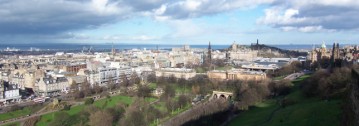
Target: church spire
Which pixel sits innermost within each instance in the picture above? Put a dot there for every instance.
(209, 45)
(209, 54)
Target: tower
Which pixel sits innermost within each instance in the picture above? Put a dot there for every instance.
(337, 53)
(209, 54)
(113, 51)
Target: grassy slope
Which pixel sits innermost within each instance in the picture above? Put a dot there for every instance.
(305, 111)
(45, 119)
(18, 113)
(13, 124)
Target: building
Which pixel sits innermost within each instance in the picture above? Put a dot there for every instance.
(9, 93)
(74, 68)
(318, 54)
(51, 86)
(104, 75)
(176, 72)
(241, 53)
(236, 74)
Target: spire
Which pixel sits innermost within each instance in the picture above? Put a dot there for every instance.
(113, 50)
(209, 46)
(209, 54)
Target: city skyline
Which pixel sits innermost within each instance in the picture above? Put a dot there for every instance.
(180, 22)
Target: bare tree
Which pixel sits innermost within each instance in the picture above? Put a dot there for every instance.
(124, 81)
(97, 88)
(86, 88)
(101, 118)
(143, 91)
(183, 100)
(111, 84)
(135, 79)
(151, 78)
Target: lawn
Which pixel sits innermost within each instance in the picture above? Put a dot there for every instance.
(305, 111)
(18, 113)
(110, 102)
(152, 85)
(13, 124)
(200, 70)
(257, 114)
(224, 68)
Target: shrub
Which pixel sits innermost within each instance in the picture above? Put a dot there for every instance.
(89, 101)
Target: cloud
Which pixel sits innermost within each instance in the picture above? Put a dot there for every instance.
(185, 9)
(185, 28)
(119, 37)
(143, 38)
(312, 16)
(52, 17)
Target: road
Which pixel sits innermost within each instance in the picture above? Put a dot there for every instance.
(294, 76)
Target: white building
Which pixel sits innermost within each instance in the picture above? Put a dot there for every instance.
(176, 72)
(51, 86)
(106, 74)
(9, 93)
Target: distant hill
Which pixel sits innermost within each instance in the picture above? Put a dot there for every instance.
(269, 51)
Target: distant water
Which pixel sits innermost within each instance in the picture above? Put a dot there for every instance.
(61, 46)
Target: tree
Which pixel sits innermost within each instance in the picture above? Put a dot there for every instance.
(74, 90)
(101, 118)
(152, 113)
(116, 112)
(196, 89)
(61, 119)
(30, 121)
(151, 78)
(310, 85)
(133, 117)
(161, 81)
(78, 94)
(219, 62)
(172, 79)
(124, 80)
(181, 81)
(89, 101)
(143, 91)
(111, 83)
(171, 105)
(86, 88)
(281, 87)
(135, 79)
(97, 88)
(169, 92)
(183, 100)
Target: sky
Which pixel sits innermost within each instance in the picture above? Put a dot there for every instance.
(193, 22)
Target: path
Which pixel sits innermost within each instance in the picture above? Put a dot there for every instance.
(23, 118)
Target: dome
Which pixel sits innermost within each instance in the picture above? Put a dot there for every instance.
(323, 45)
